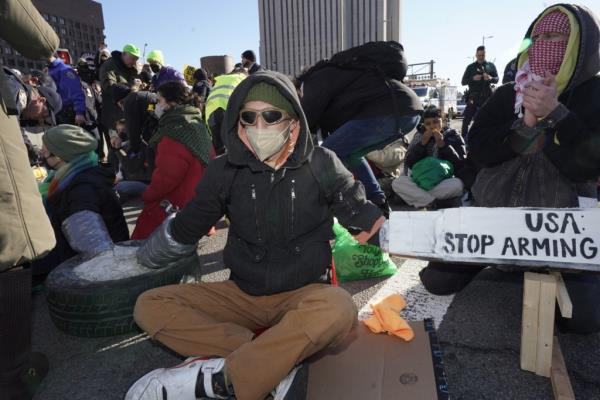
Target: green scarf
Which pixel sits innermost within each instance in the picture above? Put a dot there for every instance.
(184, 124)
(58, 180)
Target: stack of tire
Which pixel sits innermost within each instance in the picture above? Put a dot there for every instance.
(105, 308)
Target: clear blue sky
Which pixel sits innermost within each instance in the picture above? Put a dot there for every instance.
(445, 31)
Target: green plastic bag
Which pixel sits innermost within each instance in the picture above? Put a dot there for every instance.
(430, 171)
(354, 261)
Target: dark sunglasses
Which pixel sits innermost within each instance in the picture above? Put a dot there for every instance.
(270, 116)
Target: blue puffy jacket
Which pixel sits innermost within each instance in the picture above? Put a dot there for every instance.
(68, 85)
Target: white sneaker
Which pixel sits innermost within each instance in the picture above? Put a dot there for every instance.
(294, 385)
(177, 383)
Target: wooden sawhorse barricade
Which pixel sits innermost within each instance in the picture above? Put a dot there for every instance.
(540, 350)
(557, 239)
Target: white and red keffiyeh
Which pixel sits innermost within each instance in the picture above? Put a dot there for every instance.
(544, 55)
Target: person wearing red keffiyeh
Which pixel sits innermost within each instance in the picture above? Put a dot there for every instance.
(536, 142)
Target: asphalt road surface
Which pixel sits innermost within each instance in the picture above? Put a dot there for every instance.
(479, 329)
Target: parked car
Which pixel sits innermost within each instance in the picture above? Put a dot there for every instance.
(460, 108)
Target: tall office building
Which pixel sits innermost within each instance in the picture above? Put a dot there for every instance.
(79, 24)
(298, 33)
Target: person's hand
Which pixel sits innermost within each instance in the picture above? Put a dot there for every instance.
(541, 96)
(439, 138)
(486, 77)
(529, 119)
(79, 119)
(115, 142)
(477, 77)
(426, 137)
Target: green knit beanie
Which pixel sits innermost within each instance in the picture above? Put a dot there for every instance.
(262, 91)
(68, 141)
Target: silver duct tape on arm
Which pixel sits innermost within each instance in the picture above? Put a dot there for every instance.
(87, 234)
(161, 248)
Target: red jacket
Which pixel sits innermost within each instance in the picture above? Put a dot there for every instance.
(175, 177)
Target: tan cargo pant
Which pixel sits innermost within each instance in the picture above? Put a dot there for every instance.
(219, 319)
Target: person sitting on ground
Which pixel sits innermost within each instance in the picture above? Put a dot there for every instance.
(162, 73)
(537, 141)
(183, 149)
(134, 175)
(280, 194)
(79, 197)
(434, 143)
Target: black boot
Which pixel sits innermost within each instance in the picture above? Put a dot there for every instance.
(18, 369)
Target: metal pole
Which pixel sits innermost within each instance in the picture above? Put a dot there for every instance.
(144, 53)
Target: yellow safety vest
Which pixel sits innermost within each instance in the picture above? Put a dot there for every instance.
(219, 94)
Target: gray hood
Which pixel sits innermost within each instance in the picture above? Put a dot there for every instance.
(237, 152)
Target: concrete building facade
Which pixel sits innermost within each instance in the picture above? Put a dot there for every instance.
(298, 33)
(79, 24)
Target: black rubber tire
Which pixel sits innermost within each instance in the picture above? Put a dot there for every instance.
(95, 309)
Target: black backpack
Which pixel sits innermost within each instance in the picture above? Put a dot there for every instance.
(385, 57)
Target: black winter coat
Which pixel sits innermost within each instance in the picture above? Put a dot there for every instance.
(333, 96)
(280, 221)
(572, 143)
(92, 190)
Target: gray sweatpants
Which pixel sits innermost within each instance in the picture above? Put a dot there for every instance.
(413, 195)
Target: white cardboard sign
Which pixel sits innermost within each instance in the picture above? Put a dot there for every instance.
(566, 238)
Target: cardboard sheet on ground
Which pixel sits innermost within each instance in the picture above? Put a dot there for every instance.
(376, 367)
(561, 238)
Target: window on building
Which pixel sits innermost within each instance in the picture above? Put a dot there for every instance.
(17, 53)
(61, 21)
(3, 60)
(46, 17)
(7, 50)
(53, 18)
(63, 31)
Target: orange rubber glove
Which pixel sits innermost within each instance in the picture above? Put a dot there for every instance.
(387, 318)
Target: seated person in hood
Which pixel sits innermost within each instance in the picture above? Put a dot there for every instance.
(280, 194)
(79, 197)
(537, 142)
(432, 142)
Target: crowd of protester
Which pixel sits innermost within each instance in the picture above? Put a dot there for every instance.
(279, 156)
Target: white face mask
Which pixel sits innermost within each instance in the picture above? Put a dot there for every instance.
(159, 110)
(268, 141)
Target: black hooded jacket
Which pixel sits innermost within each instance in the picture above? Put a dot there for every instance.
(573, 143)
(280, 221)
(333, 96)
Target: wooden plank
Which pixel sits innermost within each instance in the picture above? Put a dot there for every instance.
(562, 296)
(561, 384)
(529, 323)
(545, 324)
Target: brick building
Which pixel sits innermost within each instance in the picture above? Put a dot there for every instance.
(79, 24)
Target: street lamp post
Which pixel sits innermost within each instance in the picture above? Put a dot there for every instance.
(483, 39)
(144, 53)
